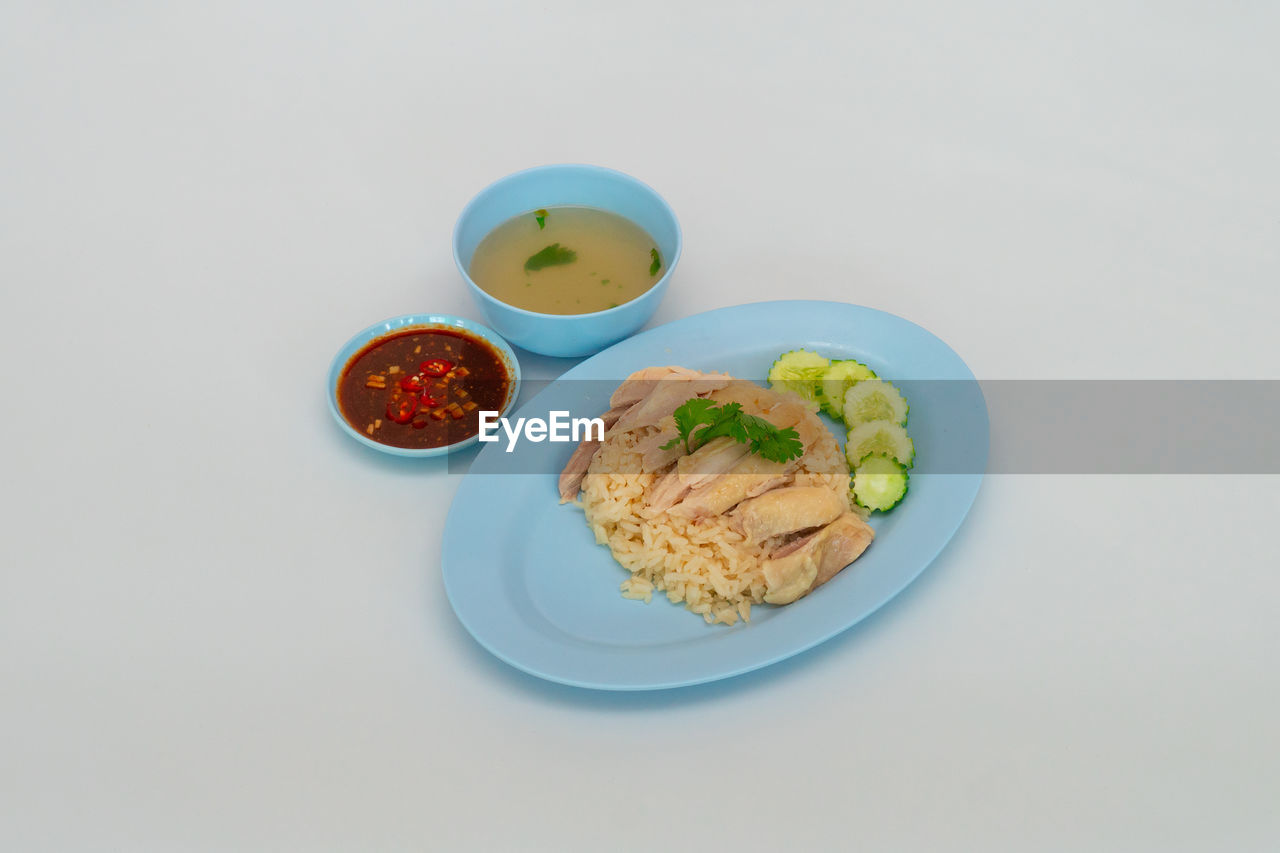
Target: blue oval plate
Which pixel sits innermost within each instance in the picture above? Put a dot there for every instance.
(527, 580)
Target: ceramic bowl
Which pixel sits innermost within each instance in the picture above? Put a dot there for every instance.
(567, 335)
(405, 323)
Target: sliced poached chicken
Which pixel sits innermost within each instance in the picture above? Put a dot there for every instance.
(667, 395)
(787, 510)
(576, 468)
(802, 566)
(752, 475)
(646, 398)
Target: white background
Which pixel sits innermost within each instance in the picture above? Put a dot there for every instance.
(222, 624)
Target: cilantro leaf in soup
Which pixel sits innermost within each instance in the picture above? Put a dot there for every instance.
(657, 262)
(541, 215)
(551, 256)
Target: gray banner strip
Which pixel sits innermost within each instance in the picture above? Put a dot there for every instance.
(1036, 426)
(1134, 426)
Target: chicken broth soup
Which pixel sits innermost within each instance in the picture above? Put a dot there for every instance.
(566, 260)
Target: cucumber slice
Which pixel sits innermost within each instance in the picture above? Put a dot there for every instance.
(798, 371)
(836, 379)
(879, 482)
(874, 400)
(884, 437)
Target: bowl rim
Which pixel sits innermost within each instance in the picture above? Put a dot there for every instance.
(394, 325)
(555, 167)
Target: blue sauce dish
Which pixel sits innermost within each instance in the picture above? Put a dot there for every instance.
(567, 335)
(426, 323)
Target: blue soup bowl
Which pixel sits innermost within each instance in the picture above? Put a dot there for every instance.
(567, 335)
(407, 323)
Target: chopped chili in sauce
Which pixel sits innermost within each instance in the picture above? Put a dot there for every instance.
(422, 387)
(435, 367)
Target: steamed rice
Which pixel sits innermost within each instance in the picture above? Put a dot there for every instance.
(705, 563)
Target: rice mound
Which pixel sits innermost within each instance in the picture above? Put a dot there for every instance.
(705, 563)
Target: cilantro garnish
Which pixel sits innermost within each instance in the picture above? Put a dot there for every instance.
(657, 262)
(699, 420)
(770, 442)
(541, 215)
(552, 256)
(688, 415)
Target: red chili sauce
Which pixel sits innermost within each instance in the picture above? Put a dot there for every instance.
(422, 387)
